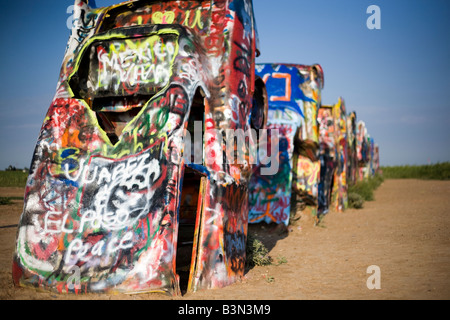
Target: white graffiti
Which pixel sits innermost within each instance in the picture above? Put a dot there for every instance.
(190, 71)
(132, 63)
(79, 251)
(117, 193)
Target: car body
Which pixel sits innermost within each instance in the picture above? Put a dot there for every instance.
(327, 156)
(294, 93)
(118, 199)
(340, 184)
(363, 150)
(376, 159)
(334, 157)
(352, 163)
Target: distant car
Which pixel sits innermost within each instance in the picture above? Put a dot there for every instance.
(376, 159)
(340, 185)
(363, 150)
(328, 157)
(337, 140)
(352, 163)
(118, 199)
(294, 93)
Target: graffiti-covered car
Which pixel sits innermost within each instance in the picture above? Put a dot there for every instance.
(376, 160)
(334, 156)
(118, 198)
(327, 156)
(352, 162)
(363, 150)
(294, 93)
(340, 184)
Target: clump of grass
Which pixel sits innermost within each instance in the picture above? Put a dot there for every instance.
(281, 260)
(355, 200)
(363, 191)
(438, 171)
(366, 188)
(376, 181)
(257, 253)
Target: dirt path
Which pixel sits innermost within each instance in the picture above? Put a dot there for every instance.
(405, 232)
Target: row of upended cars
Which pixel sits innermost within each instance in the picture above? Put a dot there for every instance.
(134, 185)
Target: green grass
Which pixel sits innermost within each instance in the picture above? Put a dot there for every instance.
(363, 191)
(13, 179)
(355, 200)
(438, 171)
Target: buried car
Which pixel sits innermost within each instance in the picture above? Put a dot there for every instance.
(334, 154)
(118, 198)
(294, 93)
(340, 182)
(328, 157)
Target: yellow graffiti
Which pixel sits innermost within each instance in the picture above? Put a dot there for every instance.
(315, 173)
(163, 18)
(197, 20)
(308, 169)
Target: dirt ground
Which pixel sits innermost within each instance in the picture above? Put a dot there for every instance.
(405, 232)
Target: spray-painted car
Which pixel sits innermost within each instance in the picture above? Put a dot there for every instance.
(333, 158)
(113, 202)
(306, 170)
(352, 163)
(363, 150)
(376, 159)
(294, 97)
(328, 157)
(368, 153)
(340, 186)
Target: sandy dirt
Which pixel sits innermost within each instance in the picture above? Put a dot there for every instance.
(405, 232)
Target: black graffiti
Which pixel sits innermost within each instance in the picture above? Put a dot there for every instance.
(235, 244)
(87, 24)
(241, 63)
(234, 197)
(242, 89)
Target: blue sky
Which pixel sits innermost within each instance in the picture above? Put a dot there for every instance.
(397, 79)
